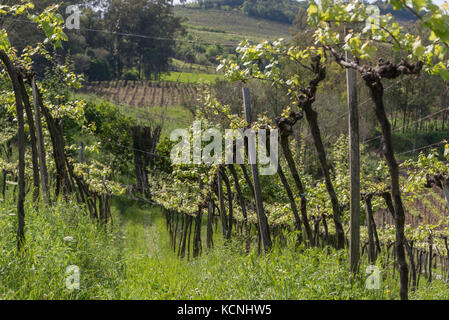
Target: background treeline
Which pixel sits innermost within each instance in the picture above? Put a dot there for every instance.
(102, 49)
(135, 39)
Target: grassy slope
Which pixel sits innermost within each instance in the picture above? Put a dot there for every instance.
(135, 262)
(190, 77)
(192, 67)
(174, 117)
(39, 272)
(230, 27)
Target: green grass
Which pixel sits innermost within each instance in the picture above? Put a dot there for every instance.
(230, 27)
(39, 271)
(175, 116)
(190, 77)
(193, 67)
(134, 261)
(154, 272)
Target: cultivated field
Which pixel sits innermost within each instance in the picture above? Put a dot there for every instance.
(144, 94)
(230, 27)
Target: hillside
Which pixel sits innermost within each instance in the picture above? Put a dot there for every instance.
(283, 11)
(230, 21)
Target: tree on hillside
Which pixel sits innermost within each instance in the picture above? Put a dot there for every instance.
(114, 35)
(155, 27)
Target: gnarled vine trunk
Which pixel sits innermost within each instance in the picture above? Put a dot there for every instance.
(376, 91)
(230, 216)
(242, 205)
(312, 119)
(372, 77)
(40, 144)
(299, 186)
(11, 69)
(33, 143)
(57, 138)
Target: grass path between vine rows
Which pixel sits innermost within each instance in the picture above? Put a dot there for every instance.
(134, 261)
(153, 271)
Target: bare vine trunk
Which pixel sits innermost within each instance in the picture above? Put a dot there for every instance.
(376, 91)
(224, 224)
(291, 198)
(242, 205)
(21, 143)
(369, 217)
(197, 247)
(57, 138)
(144, 147)
(312, 116)
(210, 217)
(33, 143)
(294, 172)
(40, 144)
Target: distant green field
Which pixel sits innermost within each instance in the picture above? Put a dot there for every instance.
(170, 117)
(192, 67)
(230, 27)
(187, 77)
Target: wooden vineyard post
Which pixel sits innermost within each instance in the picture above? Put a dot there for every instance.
(261, 217)
(354, 168)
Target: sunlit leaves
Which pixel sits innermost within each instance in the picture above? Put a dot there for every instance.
(4, 41)
(268, 61)
(418, 48)
(96, 175)
(262, 61)
(49, 21)
(369, 29)
(397, 4)
(368, 50)
(52, 24)
(313, 14)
